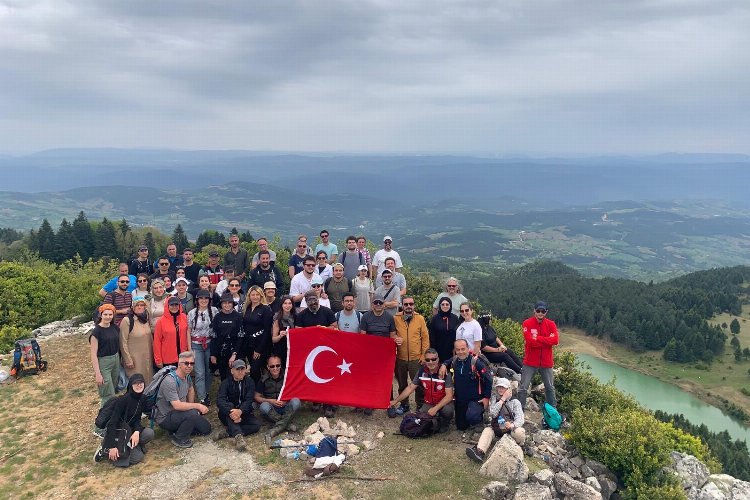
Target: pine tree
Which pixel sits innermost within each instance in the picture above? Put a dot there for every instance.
(46, 241)
(84, 235)
(66, 245)
(734, 326)
(124, 227)
(148, 240)
(179, 238)
(106, 244)
(246, 237)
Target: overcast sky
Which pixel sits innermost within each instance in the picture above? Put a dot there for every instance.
(579, 76)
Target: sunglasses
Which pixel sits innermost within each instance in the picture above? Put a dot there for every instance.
(321, 258)
(377, 302)
(452, 286)
(542, 311)
(301, 246)
(188, 363)
(274, 366)
(316, 286)
(408, 303)
(163, 263)
(430, 360)
(234, 286)
(142, 281)
(124, 281)
(465, 310)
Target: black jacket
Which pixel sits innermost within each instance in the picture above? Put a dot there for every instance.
(227, 328)
(259, 277)
(257, 327)
(233, 394)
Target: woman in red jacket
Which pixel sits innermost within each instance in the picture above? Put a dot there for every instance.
(540, 334)
(170, 334)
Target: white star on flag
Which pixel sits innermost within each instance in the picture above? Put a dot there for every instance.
(344, 366)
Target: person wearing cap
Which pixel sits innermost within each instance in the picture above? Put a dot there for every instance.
(137, 342)
(331, 250)
(199, 321)
(472, 382)
(269, 296)
(113, 284)
(121, 298)
(507, 417)
(141, 264)
(238, 259)
(263, 246)
(336, 286)
(540, 336)
(213, 270)
(364, 289)
(315, 314)
(227, 326)
(453, 292)
(396, 277)
(266, 271)
(235, 403)
(437, 391)
(323, 269)
(316, 286)
(176, 410)
(180, 291)
(390, 292)
(378, 260)
(125, 436)
(221, 287)
(352, 258)
(192, 268)
(170, 334)
(302, 282)
(380, 323)
(267, 391)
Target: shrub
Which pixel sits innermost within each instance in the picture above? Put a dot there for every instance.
(9, 335)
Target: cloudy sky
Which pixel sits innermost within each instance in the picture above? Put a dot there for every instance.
(505, 76)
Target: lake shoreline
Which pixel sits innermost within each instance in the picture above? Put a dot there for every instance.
(579, 343)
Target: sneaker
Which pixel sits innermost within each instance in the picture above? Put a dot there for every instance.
(367, 411)
(391, 412)
(185, 443)
(99, 433)
(292, 428)
(206, 401)
(400, 410)
(329, 413)
(239, 442)
(222, 434)
(99, 455)
(474, 454)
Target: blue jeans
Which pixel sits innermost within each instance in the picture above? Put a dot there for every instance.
(527, 373)
(203, 374)
(293, 404)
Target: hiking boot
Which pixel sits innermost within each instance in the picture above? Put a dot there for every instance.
(222, 434)
(474, 454)
(206, 401)
(315, 407)
(275, 431)
(401, 410)
(292, 428)
(329, 413)
(391, 412)
(184, 443)
(239, 442)
(367, 411)
(99, 455)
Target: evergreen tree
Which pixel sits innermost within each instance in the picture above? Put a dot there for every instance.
(66, 245)
(106, 243)
(46, 241)
(734, 326)
(148, 240)
(735, 342)
(234, 231)
(124, 227)
(180, 239)
(246, 237)
(84, 236)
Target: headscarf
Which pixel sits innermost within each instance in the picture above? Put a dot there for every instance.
(143, 317)
(161, 282)
(134, 379)
(442, 313)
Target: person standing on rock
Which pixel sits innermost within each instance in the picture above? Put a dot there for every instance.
(507, 417)
(235, 403)
(540, 334)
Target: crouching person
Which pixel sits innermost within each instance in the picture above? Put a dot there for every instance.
(125, 437)
(235, 403)
(278, 412)
(438, 392)
(176, 409)
(507, 418)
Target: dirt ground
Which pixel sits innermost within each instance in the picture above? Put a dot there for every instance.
(46, 450)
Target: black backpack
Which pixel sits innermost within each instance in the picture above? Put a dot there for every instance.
(361, 258)
(328, 280)
(419, 425)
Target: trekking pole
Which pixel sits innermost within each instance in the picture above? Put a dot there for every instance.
(277, 446)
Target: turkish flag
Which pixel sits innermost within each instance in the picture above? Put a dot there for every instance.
(339, 368)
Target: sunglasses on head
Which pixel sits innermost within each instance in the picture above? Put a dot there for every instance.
(542, 311)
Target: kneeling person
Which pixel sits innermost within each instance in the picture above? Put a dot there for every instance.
(267, 397)
(438, 392)
(507, 418)
(235, 403)
(176, 409)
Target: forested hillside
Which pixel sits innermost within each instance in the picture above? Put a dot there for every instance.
(641, 316)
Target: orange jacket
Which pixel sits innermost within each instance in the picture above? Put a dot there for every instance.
(166, 351)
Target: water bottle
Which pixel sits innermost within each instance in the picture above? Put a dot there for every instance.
(501, 421)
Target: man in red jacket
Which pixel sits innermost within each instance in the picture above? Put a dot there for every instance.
(540, 335)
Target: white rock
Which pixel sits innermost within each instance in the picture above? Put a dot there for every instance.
(315, 438)
(532, 491)
(496, 491)
(691, 472)
(505, 462)
(314, 427)
(593, 482)
(544, 477)
(380, 435)
(566, 485)
(324, 425)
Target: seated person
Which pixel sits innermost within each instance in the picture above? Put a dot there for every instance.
(438, 392)
(176, 409)
(494, 349)
(235, 403)
(267, 398)
(125, 436)
(507, 417)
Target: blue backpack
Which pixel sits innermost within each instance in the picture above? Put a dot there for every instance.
(552, 417)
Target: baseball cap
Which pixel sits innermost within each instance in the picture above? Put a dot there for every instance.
(316, 280)
(269, 284)
(541, 305)
(238, 363)
(338, 264)
(227, 297)
(387, 238)
(203, 294)
(386, 270)
(181, 279)
(142, 247)
(174, 301)
(362, 268)
(378, 298)
(213, 253)
(501, 382)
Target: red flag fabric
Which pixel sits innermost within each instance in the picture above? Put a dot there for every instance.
(339, 368)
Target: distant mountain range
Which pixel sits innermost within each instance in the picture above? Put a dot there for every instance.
(474, 209)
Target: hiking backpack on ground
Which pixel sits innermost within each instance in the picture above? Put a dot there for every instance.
(419, 424)
(27, 358)
(552, 418)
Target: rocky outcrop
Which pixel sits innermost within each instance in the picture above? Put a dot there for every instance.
(505, 463)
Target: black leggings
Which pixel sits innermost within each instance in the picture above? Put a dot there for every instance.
(508, 357)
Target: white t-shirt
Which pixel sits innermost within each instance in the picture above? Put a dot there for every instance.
(381, 255)
(322, 302)
(471, 331)
(300, 284)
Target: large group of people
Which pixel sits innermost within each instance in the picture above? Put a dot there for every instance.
(231, 320)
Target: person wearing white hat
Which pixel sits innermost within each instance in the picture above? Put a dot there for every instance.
(364, 289)
(316, 285)
(507, 418)
(378, 260)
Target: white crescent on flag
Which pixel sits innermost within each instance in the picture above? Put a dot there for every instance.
(310, 369)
